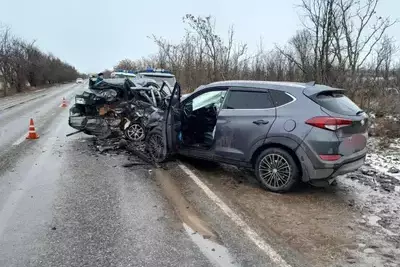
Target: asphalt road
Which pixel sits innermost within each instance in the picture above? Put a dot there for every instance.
(63, 204)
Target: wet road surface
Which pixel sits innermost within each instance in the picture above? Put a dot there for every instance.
(62, 203)
(343, 225)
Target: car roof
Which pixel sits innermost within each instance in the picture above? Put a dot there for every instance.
(159, 74)
(127, 74)
(258, 84)
(291, 87)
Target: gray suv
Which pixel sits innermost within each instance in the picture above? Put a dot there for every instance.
(284, 131)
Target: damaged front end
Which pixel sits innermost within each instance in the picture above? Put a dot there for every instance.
(102, 113)
(88, 122)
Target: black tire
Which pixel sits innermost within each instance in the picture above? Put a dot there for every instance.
(160, 155)
(276, 170)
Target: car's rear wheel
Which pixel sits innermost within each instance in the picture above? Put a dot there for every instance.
(276, 170)
(155, 146)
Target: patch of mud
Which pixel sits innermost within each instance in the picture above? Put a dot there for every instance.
(384, 156)
(199, 231)
(377, 180)
(183, 208)
(381, 170)
(329, 226)
(375, 187)
(305, 221)
(379, 221)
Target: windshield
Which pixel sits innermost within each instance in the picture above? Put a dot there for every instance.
(160, 78)
(213, 97)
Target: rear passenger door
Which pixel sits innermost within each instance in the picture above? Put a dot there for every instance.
(243, 122)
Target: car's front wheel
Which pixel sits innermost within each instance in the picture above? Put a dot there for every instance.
(155, 146)
(276, 170)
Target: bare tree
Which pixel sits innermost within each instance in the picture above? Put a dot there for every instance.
(22, 64)
(384, 57)
(319, 22)
(126, 64)
(317, 52)
(357, 17)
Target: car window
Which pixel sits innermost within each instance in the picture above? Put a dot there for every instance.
(171, 80)
(166, 90)
(208, 98)
(337, 102)
(248, 100)
(280, 97)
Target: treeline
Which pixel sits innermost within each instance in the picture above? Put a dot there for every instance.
(343, 43)
(23, 64)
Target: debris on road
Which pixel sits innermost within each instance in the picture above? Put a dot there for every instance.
(131, 164)
(73, 133)
(122, 144)
(118, 144)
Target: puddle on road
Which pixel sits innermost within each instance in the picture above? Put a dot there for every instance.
(183, 208)
(199, 231)
(216, 253)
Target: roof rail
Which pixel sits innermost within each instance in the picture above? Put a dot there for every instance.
(311, 83)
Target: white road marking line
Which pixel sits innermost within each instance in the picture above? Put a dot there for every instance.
(251, 234)
(20, 140)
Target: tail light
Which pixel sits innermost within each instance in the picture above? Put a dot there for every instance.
(329, 123)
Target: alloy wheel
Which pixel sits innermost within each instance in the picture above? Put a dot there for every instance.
(135, 132)
(155, 147)
(275, 170)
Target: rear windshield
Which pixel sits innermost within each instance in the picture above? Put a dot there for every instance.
(337, 102)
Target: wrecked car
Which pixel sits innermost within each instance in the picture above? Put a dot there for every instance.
(264, 126)
(119, 105)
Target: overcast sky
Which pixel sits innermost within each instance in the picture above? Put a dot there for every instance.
(93, 35)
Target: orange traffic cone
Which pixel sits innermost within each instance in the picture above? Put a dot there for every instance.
(64, 103)
(32, 132)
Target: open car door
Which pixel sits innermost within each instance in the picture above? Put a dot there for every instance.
(172, 127)
(163, 138)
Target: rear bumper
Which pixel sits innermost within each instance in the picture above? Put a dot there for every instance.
(316, 169)
(349, 167)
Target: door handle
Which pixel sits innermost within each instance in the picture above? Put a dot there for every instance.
(259, 122)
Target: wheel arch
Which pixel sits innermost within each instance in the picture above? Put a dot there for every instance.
(276, 144)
